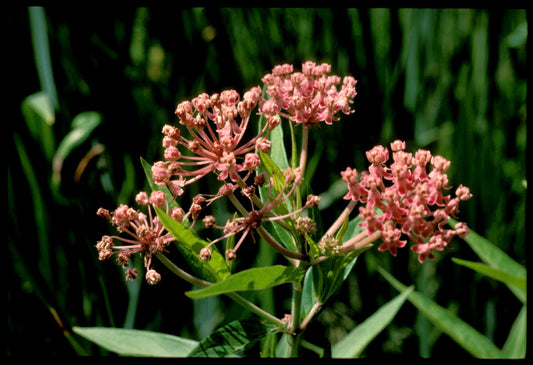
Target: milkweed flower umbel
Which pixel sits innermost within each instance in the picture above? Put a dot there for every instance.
(413, 203)
(147, 236)
(307, 97)
(216, 140)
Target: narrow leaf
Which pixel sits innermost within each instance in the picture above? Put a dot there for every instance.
(232, 338)
(515, 346)
(39, 115)
(492, 254)
(251, 279)
(131, 342)
(353, 344)
(190, 245)
(83, 125)
(496, 258)
(494, 273)
(458, 330)
(275, 172)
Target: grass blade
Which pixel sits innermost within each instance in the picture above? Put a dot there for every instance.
(461, 332)
(353, 344)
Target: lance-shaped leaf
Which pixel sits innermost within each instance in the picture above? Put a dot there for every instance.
(500, 275)
(278, 178)
(353, 344)
(131, 342)
(189, 245)
(82, 126)
(251, 279)
(458, 330)
(496, 258)
(232, 338)
(515, 345)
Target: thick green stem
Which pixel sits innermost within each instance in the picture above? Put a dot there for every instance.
(295, 336)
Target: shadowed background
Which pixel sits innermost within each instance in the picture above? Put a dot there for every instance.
(452, 81)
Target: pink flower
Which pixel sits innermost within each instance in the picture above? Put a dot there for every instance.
(355, 190)
(147, 235)
(307, 97)
(216, 126)
(413, 203)
(252, 220)
(391, 240)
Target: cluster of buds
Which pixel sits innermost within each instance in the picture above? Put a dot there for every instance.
(413, 202)
(147, 236)
(216, 126)
(307, 97)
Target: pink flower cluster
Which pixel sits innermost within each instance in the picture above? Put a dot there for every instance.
(216, 126)
(307, 97)
(252, 220)
(413, 202)
(147, 234)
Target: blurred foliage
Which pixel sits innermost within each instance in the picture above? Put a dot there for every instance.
(453, 81)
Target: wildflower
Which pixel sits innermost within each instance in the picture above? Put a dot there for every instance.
(413, 202)
(251, 221)
(147, 235)
(217, 125)
(307, 97)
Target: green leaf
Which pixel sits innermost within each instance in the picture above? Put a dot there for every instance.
(131, 342)
(232, 338)
(335, 270)
(251, 279)
(39, 115)
(82, 126)
(458, 330)
(189, 245)
(268, 165)
(323, 280)
(493, 256)
(515, 346)
(353, 344)
(494, 273)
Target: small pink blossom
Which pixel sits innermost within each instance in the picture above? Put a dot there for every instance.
(413, 202)
(216, 126)
(147, 236)
(307, 97)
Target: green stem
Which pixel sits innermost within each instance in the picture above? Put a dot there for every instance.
(295, 336)
(268, 238)
(255, 309)
(237, 298)
(181, 273)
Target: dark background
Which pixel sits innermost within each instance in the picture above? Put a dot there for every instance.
(453, 81)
